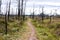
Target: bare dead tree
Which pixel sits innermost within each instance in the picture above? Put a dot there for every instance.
(30, 14)
(6, 23)
(9, 10)
(12, 12)
(19, 9)
(0, 5)
(33, 14)
(39, 12)
(6, 20)
(16, 14)
(42, 14)
(50, 16)
(56, 12)
(24, 9)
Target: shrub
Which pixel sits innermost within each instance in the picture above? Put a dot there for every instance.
(52, 26)
(58, 25)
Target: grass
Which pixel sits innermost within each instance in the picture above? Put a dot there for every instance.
(16, 29)
(45, 31)
(20, 31)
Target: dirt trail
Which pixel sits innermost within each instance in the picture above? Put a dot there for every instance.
(32, 35)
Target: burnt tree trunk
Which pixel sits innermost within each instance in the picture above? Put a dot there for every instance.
(42, 15)
(6, 23)
(33, 16)
(33, 13)
(6, 17)
(22, 9)
(18, 9)
(50, 16)
(0, 6)
(50, 19)
(9, 10)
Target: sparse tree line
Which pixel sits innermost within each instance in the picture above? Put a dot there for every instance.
(21, 11)
(42, 16)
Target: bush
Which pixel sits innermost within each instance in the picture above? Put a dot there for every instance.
(51, 26)
(57, 32)
(2, 22)
(58, 25)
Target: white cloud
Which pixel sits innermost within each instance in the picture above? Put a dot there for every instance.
(30, 4)
(43, 3)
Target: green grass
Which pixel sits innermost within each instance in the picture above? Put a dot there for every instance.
(45, 31)
(15, 29)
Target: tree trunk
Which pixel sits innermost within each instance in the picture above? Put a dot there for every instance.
(18, 9)
(6, 23)
(42, 15)
(9, 10)
(22, 9)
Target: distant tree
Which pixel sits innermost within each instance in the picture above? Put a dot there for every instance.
(16, 14)
(30, 13)
(55, 12)
(33, 12)
(50, 16)
(33, 15)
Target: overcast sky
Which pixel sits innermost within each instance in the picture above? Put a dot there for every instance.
(38, 4)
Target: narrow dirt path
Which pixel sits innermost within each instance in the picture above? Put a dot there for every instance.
(32, 35)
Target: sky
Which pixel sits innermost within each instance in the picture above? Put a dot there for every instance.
(49, 5)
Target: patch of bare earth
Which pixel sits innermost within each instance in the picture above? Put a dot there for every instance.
(32, 35)
(29, 33)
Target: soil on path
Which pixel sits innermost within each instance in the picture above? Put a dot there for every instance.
(32, 35)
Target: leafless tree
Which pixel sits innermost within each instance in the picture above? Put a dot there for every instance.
(0, 6)
(16, 14)
(33, 14)
(19, 9)
(24, 9)
(9, 10)
(50, 16)
(6, 20)
(42, 14)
